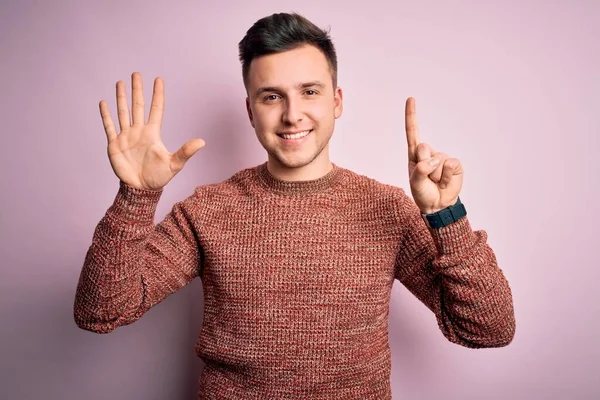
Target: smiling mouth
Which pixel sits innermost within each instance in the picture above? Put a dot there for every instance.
(294, 136)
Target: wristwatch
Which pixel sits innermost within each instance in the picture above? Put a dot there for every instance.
(445, 216)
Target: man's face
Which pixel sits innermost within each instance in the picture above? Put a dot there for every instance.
(292, 93)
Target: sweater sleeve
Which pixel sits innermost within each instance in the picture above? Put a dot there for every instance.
(133, 264)
(454, 272)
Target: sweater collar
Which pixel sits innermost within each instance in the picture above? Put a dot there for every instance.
(271, 183)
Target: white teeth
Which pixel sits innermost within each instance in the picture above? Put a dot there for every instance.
(295, 135)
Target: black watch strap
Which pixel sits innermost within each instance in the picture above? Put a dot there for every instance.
(446, 216)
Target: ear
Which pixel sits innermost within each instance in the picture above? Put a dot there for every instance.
(338, 102)
(249, 110)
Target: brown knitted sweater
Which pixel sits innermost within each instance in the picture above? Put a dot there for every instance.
(297, 279)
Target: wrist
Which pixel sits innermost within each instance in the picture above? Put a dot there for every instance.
(445, 216)
(134, 203)
(429, 211)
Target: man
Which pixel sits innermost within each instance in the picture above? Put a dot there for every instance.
(297, 256)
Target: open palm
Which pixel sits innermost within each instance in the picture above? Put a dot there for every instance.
(137, 155)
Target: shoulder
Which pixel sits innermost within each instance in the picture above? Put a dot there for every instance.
(369, 188)
(378, 199)
(381, 198)
(222, 194)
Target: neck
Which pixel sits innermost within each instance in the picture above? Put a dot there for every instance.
(318, 168)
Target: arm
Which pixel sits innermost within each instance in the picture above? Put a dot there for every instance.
(133, 264)
(454, 272)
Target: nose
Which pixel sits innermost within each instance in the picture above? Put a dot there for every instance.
(292, 112)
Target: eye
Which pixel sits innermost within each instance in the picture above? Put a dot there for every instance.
(311, 92)
(271, 97)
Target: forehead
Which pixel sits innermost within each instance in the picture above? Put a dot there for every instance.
(286, 69)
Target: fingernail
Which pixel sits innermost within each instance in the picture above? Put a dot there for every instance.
(434, 161)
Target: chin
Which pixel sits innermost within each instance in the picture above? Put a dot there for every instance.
(294, 162)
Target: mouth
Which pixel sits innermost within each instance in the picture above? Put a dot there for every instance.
(294, 136)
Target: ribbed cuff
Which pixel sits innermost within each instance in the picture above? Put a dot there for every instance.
(135, 204)
(453, 239)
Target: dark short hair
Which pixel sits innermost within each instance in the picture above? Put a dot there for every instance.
(281, 32)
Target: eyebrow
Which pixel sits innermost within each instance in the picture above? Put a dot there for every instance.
(302, 85)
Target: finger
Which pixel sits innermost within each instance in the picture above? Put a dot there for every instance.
(109, 125)
(451, 167)
(158, 102)
(122, 110)
(436, 175)
(423, 169)
(412, 129)
(137, 99)
(424, 152)
(184, 153)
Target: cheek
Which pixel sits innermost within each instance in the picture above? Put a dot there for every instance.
(322, 112)
(265, 119)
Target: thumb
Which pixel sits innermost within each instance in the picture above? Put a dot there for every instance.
(185, 152)
(423, 169)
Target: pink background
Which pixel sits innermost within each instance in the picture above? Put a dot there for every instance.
(509, 88)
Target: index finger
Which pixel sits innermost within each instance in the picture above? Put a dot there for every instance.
(158, 102)
(412, 129)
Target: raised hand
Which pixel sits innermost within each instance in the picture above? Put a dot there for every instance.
(435, 178)
(137, 155)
